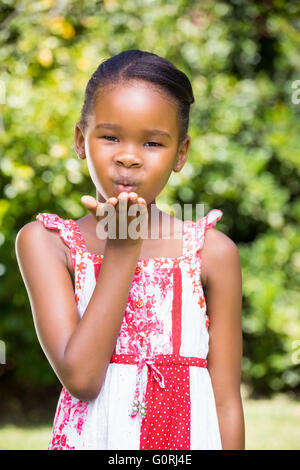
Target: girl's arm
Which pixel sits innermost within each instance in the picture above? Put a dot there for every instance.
(223, 292)
(79, 350)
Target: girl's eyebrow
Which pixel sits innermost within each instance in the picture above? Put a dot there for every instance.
(108, 125)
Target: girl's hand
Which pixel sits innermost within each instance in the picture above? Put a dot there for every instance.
(121, 219)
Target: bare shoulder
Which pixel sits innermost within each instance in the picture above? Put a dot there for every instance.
(34, 237)
(217, 244)
(219, 251)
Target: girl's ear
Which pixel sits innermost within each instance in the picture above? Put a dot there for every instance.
(182, 154)
(79, 141)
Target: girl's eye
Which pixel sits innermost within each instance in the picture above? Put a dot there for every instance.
(155, 143)
(108, 137)
(112, 137)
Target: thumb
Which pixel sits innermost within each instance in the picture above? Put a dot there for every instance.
(93, 206)
(89, 202)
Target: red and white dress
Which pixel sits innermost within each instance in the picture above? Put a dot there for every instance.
(157, 393)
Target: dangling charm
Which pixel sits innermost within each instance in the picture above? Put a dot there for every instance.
(135, 408)
(143, 409)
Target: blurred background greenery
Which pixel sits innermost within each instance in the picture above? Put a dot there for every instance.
(242, 58)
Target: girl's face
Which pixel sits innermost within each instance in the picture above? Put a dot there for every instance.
(132, 134)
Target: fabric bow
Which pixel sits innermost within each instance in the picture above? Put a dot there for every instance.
(155, 374)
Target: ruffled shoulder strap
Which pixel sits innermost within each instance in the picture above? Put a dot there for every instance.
(68, 229)
(201, 226)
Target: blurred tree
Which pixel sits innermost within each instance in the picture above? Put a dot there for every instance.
(242, 59)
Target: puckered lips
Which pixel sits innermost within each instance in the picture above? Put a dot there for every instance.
(125, 184)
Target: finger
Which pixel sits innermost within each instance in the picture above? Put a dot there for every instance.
(141, 200)
(132, 196)
(89, 202)
(112, 200)
(122, 202)
(123, 196)
(92, 205)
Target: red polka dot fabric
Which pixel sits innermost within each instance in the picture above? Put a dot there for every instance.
(167, 422)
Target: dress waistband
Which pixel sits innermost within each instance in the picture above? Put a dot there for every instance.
(152, 362)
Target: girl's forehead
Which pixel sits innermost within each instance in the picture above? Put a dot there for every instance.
(135, 99)
(137, 90)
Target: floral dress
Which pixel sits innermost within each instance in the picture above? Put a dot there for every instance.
(157, 393)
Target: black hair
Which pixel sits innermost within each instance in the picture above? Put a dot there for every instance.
(135, 64)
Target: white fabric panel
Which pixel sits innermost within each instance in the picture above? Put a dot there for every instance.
(204, 420)
(194, 335)
(108, 425)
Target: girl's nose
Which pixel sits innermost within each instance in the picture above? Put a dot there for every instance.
(128, 160)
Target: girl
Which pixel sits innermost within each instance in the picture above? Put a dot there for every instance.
(125, 322)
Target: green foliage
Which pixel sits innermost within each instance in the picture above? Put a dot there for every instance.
(242, 58)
